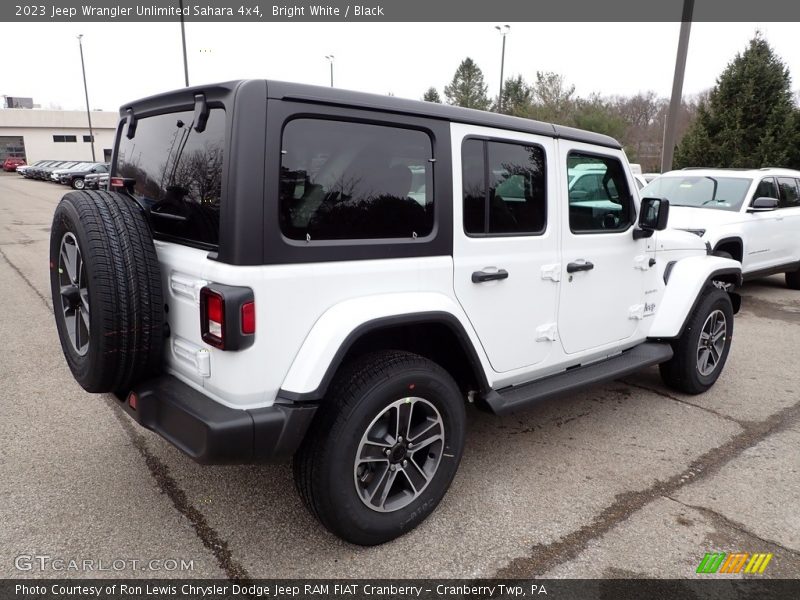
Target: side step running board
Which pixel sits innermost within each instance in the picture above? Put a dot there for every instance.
(514, 398)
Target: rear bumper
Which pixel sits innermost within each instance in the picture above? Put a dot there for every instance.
(211, 433)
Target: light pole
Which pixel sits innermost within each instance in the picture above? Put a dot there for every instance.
(183, 41)
(503, 32)
(86, 93)
(671, 126)
(330, 58)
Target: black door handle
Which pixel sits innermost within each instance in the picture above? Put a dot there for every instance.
(481, 276)
(574, 267)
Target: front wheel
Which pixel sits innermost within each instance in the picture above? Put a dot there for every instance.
(793, 280)
(383, 448)
(701, 351)
(78, 183)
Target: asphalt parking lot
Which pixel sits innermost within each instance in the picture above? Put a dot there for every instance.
(624, 480)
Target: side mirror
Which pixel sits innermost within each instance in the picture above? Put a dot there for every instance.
(763, 204)
(653, 216)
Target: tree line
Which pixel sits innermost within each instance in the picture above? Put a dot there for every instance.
(748, 119)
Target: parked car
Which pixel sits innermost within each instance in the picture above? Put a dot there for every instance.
(46, 173)
(590, 176)
(11, 163)
(31, 173)
(752, 216)
(75, 177)
(306, 304)
(24, 168)
(96, 181)
(648, 177)
(55, 175)
(43, 172)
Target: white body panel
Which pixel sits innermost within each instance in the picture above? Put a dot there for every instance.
(291, 301)
(687, 278)
(538, 322)
(511, 315)
(595, 306)
(764, 235)
(333, 328)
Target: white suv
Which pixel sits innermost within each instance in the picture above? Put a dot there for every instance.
(285, 270)
(750, 215)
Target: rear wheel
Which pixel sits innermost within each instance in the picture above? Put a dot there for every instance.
(383, 448)
(106, 290)
(793, 280)
(701, 351)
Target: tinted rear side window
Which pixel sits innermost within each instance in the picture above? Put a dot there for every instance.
(767, 189)
(503, 188)
(343, 180)
(789, 193)
(178, 174)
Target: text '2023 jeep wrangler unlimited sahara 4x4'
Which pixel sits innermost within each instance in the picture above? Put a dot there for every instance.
(285, 270)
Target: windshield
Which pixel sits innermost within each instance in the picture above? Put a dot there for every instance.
(726, 193)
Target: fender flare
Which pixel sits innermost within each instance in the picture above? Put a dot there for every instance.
(730, 239)
(688, 279)
(311, 387)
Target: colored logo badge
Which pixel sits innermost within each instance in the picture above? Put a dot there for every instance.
(734, 562)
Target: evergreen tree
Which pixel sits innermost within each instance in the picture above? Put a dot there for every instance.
(431, 95)
(517, 97)
(598, 115)
(749, 118)
(552, 98)
(794, 147)
(467, 88)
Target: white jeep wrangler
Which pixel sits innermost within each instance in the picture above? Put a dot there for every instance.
(750, 215)
(285, 270)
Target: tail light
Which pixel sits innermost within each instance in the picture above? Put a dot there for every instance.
(215, 319)
(122, 183)
(227, 316)
(249, 318)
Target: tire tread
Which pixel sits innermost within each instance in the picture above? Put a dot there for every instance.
(344, 394)
(679, 372)
(125, 288)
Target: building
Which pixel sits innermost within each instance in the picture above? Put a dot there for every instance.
(17, 102)
(55, 134)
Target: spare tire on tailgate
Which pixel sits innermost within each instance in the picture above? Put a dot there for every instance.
(106, 288)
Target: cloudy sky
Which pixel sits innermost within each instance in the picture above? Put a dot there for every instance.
(125, 61)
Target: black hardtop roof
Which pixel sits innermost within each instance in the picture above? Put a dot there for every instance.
(333, 96)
